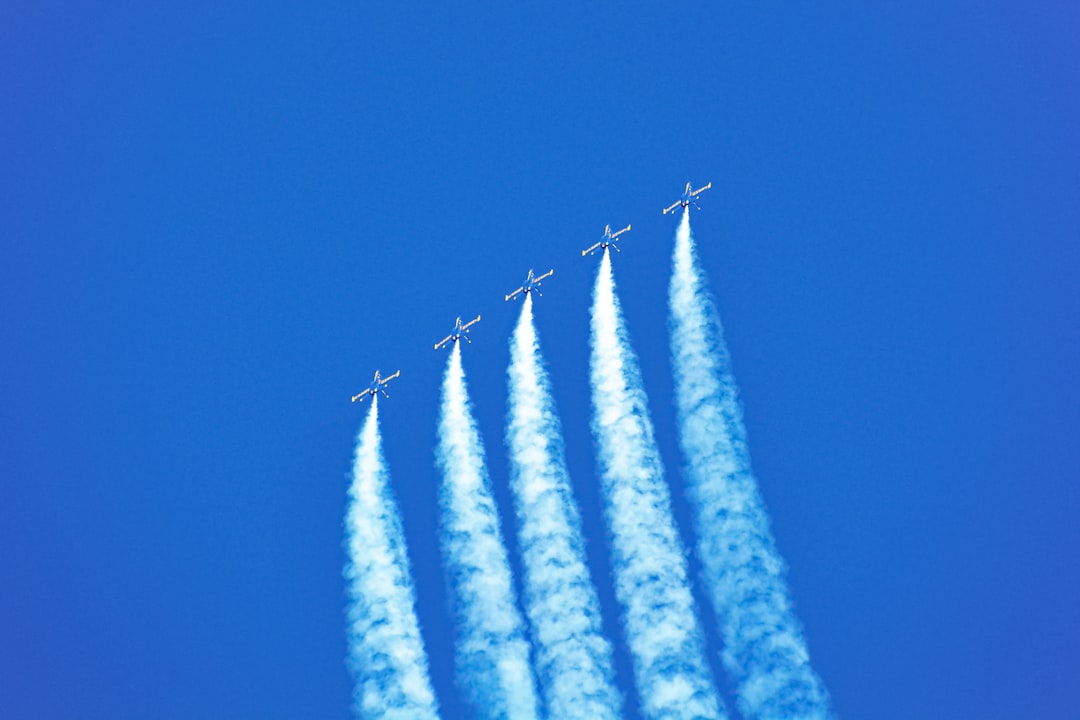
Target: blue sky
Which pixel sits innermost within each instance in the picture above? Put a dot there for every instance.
(217, 222)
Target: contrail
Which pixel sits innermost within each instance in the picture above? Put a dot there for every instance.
(573, 658)
(649, 563)
(764, 649)
(386, 654)
(492, 653)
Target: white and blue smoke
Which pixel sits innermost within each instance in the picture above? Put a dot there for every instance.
(386, 654)
(649, 563)
(764, 649)
(573, 657)
(492, 652)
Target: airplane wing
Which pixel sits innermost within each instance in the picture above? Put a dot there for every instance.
(389, 378)
(443, 342)
(360, 397)
(701, 190)
(548, 274)
(590, 250)
(620, 232)
(515, 293)
(469, 324)
(673, 206)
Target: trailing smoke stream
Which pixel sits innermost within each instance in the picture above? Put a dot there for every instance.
(764, 649)
(492, 653)
(649, 565)
(574, 662)
(386, 654)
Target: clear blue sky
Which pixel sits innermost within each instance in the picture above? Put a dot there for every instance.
(218, 221)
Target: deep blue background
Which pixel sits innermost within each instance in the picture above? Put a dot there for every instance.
(217, 222)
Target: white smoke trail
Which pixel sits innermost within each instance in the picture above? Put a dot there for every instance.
(764, 649)
(386, 654)
(573, 658)
(649, 563)
(492, 653)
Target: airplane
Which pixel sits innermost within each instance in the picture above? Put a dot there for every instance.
(531, 283)
(377, 385)
(460, 331)
(606, 240)
(689, 196)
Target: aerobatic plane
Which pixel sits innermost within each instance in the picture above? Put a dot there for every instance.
(531, 283)
(606, 240)
(377, 385)
(689, 197)
(460, 331)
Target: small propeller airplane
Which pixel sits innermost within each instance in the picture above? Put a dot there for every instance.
(606, 240)
(531, 283)
(377, 385)
(689, 197)
(460, 331)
